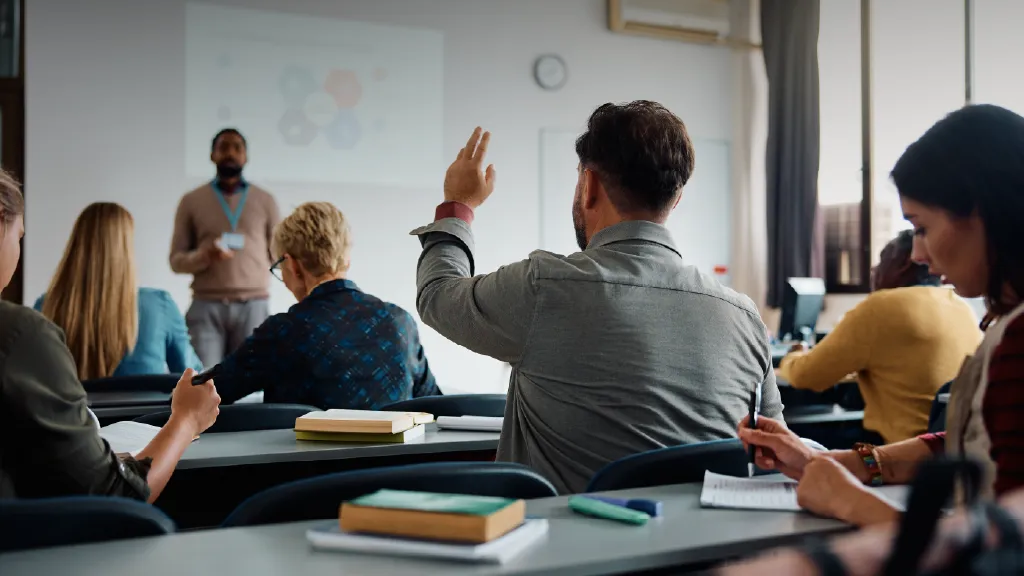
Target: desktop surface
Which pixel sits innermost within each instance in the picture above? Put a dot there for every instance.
(686, 535)
(279, 446)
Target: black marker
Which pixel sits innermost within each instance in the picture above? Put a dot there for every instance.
(755, 407)
(205, 376)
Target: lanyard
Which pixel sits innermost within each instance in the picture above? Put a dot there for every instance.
(233, 217)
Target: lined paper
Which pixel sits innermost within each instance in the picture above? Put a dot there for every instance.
(748, 493)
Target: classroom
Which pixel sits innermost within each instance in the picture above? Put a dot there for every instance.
(511, 287)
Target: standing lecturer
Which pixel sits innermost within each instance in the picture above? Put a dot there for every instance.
(222, 234)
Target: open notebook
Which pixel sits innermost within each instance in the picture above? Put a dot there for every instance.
(769, 493)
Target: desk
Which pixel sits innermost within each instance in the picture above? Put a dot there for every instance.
(834, 414)
(219, 471)
(687, 536)
(122, 399)
(280, 446)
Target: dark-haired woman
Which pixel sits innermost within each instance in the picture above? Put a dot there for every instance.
(961, 185)
(904, 341)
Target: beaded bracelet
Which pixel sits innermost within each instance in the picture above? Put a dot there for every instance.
(867, 454)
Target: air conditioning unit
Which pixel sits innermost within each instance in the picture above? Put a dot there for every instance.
(703, 21)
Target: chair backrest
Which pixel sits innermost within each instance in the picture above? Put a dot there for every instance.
(138, 383)
(318, 498)
(244, 417)
(454, 405)
(38, 523)
(675, 465)
(937, 416)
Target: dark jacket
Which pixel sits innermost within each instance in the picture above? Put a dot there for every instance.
(49, 444)
(338, 348)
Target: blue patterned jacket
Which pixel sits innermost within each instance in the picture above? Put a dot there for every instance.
(337, 348)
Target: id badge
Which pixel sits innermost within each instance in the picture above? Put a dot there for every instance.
(232, 241)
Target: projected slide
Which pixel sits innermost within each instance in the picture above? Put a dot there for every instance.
(319, 99)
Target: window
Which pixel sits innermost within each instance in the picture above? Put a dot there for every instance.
(917, 78)
(997, 52)
(840, 182)
(878, 98)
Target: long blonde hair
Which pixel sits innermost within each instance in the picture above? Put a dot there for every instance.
(93, 296)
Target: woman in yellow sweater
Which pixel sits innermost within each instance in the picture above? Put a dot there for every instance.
(904, 341)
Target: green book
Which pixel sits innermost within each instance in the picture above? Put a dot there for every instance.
(431, 502)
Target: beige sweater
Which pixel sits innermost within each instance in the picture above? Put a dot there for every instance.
(200, 220)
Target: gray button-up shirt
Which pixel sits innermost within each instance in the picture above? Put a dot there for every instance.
(615, 350)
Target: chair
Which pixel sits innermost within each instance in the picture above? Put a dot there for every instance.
(32, 523)
(318, 498)
(455, 405)
(937, 416)
(675, 465)
(244, 417)
(137, 383)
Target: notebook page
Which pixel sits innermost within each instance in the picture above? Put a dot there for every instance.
(128, 437)
(748, 494)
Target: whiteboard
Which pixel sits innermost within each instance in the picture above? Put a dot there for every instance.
(701, 224)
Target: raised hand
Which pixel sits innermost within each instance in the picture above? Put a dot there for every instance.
(466, 181)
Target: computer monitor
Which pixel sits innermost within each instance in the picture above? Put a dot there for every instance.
(802, 300)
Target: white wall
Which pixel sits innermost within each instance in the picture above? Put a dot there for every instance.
(105, 121)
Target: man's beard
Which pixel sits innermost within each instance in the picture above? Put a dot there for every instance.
(577, 222)
(228, 170)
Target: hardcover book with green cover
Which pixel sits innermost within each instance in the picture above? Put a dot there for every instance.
(432, 502)
(432, 516)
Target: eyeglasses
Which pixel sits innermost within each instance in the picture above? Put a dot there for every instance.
(275, 268)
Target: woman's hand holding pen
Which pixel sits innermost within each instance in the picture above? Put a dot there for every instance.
(777, 447)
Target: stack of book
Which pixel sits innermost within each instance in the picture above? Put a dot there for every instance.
(363, 426)
(474, 528)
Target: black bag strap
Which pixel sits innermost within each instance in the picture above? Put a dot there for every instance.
(932, 489)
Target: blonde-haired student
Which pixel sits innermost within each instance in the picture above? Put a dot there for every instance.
(338, 347)
(113, 328)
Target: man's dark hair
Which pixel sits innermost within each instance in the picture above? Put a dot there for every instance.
(213, 145)
(641, 153)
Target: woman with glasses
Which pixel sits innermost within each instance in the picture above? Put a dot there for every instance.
(113, 328)
(338, 347)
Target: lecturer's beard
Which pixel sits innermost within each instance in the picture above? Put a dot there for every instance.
(228, 171)
(577, 222)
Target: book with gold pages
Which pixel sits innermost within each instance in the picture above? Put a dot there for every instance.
(431, 516)
(360, 421)
(363, 437)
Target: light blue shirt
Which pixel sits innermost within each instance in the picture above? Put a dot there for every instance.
(163, 345)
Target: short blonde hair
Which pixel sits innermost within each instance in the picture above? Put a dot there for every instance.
(317, 236)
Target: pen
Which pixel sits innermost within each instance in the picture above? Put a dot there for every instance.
(205, 376)
(755, 406)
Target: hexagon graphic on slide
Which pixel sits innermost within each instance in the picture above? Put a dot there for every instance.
(296, 129)
(296, 85)
(344, 86)
(344, 133)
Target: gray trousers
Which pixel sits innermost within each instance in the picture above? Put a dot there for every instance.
(218, 328)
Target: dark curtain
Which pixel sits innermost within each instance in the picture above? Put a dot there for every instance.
(789, 36)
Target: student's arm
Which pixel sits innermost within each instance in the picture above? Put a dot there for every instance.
(490, 314)
(846, 350)
(180, 353)
(262, 361)
(193, 410)
(423, 379)
(186, 257)
(63, 453)
(898, 461)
